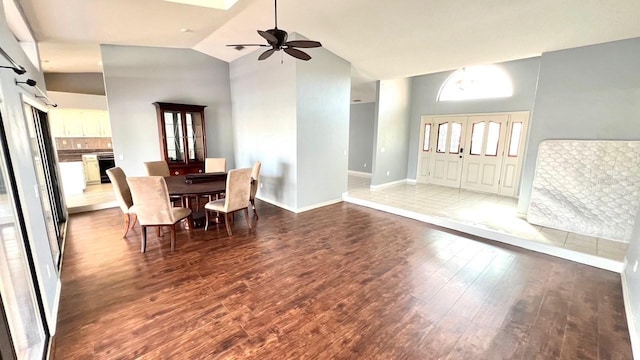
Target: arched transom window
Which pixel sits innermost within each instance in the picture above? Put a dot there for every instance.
(476, 82)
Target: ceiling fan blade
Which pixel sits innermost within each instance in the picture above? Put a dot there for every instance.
(266, 54)
(303, 43)
(263, 45)
(297, 54)
(268, 36)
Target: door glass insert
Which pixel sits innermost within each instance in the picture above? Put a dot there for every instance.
(477, 134)
(427, 137)
(514, 139)
(456, 135)
(173, 129)
(442, 137)
(493, 137)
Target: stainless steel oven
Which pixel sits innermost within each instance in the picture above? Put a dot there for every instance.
(105, 161)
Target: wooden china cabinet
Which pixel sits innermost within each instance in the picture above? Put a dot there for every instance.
(183, 141)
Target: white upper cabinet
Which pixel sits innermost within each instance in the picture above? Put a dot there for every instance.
(79, 123)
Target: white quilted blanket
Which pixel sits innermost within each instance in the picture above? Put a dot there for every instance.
(587, 187)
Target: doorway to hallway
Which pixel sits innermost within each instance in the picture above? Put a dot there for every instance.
(479, 152)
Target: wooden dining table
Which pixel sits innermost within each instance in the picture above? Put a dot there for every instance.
(178, 186)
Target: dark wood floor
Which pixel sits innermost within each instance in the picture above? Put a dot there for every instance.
(340, 282)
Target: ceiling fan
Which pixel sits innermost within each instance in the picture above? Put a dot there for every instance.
(277, 40)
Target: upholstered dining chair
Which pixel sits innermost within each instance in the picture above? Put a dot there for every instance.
(237, 191)
(215, 165)
(255, 182)
(151, 200)
(161, 168)
(212, 165)
(157, 168)
(123, 197)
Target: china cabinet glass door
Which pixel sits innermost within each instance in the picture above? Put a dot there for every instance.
(174, 136)
(195, 136)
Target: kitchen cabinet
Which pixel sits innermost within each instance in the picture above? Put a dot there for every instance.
(91, 169)
(80, 123)
(183, 142)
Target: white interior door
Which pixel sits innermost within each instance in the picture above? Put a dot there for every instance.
(426, 148)
(484, 152)
(513, 154)
(446, 159)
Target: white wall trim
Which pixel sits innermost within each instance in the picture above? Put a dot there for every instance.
(86, 208)
(56, 306)
(276, 203)
(633, 332)
(300, 210)
(478, 230)
(319, 205)
(411, 181)
(359, 174)
(385, 185)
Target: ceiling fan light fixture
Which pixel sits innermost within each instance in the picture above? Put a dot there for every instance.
(277, 40)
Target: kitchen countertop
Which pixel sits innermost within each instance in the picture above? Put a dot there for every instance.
(76, 154)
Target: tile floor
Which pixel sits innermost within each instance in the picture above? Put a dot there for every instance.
(488, 211)
(94, 197)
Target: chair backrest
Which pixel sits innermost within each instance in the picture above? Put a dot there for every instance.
(121, 188)
(215, 165)
(151, 200)
(237, 190)
(157, 168)
(255, 179)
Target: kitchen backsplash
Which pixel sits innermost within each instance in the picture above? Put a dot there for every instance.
(72, 148)
(79, 143)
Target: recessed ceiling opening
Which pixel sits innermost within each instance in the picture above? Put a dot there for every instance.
(214, 4)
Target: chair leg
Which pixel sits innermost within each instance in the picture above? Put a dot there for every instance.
(127, 219)
(253, 206)
(246, 217)
(190, 222)
(173, 237)
(143, 245)
(134, 220)
(206, 219)
(226, 222)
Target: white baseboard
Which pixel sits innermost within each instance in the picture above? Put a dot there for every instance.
(479, 230)
(360, 174)
(86, 208)
(382, 186)
(276, 203)
(628, 309)
(300, 210)
(52, 320)
(315, 206)
(411, 181)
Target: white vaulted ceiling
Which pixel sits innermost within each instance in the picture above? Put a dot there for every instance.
(382, 39)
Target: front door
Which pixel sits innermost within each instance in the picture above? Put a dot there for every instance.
(446, 160)
(480, 152)
(426, 148)
(483, 158)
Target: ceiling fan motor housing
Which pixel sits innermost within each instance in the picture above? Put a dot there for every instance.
(281, 35)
